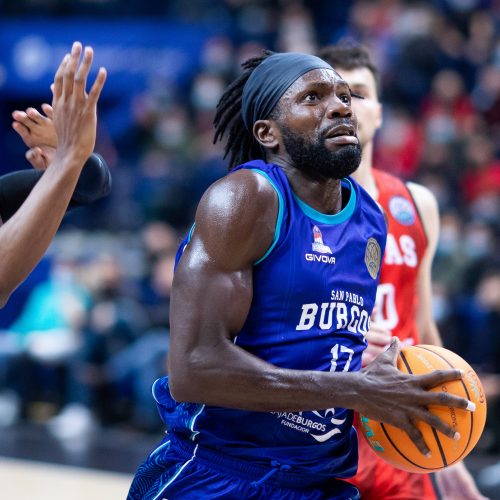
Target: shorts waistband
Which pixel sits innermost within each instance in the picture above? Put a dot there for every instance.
(277, 474)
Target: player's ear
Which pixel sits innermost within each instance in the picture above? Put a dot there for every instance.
(266, 133)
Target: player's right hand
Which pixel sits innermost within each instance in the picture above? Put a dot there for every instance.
(75, 111)
(391, 396)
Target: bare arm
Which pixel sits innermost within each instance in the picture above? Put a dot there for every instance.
(428, 208)
(211, 297)
(26, 236)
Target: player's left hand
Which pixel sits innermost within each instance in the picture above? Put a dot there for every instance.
(35, 128)
(40, 157)
(456, 482)
(38, 133)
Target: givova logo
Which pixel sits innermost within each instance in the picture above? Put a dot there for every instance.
(327, 259)
(318, 246)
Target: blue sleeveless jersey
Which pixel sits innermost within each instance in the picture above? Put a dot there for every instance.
(314, 291)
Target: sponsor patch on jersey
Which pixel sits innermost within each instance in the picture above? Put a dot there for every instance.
(402, 210)
(373, 257)
(318, 245)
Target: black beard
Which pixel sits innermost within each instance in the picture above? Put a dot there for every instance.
(317, 161)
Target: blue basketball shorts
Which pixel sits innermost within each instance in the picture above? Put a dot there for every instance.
(180, 469)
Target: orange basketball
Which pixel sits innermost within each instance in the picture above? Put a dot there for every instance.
(394, 445)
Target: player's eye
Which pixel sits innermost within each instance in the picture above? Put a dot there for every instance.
(345, 98)
(311, 97)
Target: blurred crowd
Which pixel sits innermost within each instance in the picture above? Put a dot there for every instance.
(87, 334)
(92, 333)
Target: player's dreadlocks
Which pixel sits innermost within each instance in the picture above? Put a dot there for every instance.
(241, 145)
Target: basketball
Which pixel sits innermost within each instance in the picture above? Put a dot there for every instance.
(394, 445)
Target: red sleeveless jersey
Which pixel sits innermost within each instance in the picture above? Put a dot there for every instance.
(396, 305)
(397, 298)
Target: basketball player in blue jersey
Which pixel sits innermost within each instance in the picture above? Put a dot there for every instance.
(271, 300)
(32, 222)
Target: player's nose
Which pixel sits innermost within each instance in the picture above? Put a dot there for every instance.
(336, 108)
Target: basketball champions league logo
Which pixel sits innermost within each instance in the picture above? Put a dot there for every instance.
(318, 245)
(373, 257)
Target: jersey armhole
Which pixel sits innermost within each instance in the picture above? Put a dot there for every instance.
(279, 219)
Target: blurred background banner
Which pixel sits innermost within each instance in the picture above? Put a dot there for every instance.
(133, 52)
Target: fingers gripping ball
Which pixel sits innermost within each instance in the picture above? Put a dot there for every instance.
(394, 445)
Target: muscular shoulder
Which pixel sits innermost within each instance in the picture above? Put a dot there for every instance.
(237, 193)
(236, 218)
(428, 208)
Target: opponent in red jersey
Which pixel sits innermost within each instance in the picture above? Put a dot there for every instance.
(404, 294)
(407, 250)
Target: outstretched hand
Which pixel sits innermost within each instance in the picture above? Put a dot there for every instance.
(40, 133)
(75, 111)
(391, 396)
